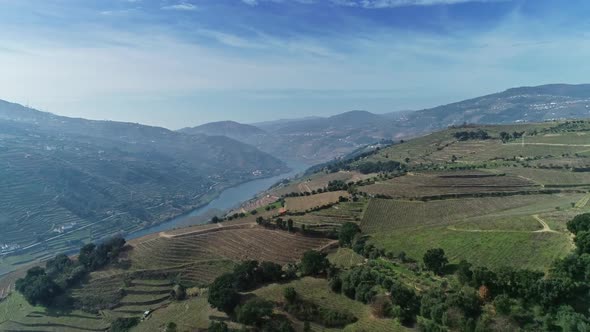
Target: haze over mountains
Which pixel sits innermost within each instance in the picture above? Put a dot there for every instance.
(315, 140)
(68, 180)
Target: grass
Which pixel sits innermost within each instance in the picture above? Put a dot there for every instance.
(492, 249)
(493, 232)
(524, 223)
(189, 315)
(345, 258)
(16, 314)
(318, 291)
(392, 215)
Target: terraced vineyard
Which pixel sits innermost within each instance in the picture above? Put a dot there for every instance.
(305, 203)
(489, 231)
(333, 217)
(389, 215)
(252, 242)
(450, 183)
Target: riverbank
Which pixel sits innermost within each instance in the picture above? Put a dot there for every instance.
(227, 199)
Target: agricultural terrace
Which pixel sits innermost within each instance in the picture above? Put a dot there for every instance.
(442, 148)
(319, 181)
(332, 217)
(492, 231)
(551, 178)
(307, 203)
(238, 244)
(148, 272)
(415, 185)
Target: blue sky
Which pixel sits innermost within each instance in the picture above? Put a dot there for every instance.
(179, 63)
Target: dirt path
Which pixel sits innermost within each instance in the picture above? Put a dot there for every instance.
(546, 228)
(551, 144)
(452, 228)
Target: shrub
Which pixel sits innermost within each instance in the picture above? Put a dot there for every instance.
(254, 312)
(290, 294)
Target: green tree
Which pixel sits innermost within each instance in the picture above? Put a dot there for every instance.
(254, 312)
(222, 293)
(290, 295)
(580, 223)
(435, 260)
(347, 233)
(218, 327)
(37, 287)
(171, 327)
(313, 263)
(582, 241)
(270, 272)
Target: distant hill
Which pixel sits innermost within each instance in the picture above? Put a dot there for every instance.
(225, 128)
(521, 105)
(319, 139)
(95, 178)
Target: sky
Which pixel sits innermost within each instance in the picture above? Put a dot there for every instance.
(178, 63)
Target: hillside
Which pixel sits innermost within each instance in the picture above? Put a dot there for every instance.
(226, 128)
(68, 181)
(497, 205)
(320, 139)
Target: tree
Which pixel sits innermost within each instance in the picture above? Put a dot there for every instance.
(218, 327)
(290, 295)
(313, 263)
(37, 287)
(178, 292)
(222, 293)
(582, 241)
(254, 312)
(435, 260)
(579, 223)
(290, 225)
(86, 256)
(246, 275)
(271, 272)
(171, 327)
(347, 233)
(123, 324)
(464, 273)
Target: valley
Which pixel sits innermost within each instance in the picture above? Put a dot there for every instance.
(493, 202)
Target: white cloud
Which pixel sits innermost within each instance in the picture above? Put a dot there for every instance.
(181, 6)
(375, 4)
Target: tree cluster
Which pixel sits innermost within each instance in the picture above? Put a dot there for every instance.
(472, 135)
(45, 285)
(224, 291)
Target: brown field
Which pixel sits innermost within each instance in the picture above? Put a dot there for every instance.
(232, 244)
(301, 204)
(444, 183)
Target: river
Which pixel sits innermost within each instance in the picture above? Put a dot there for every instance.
(228, 199)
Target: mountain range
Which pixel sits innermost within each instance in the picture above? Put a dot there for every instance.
(319, 139)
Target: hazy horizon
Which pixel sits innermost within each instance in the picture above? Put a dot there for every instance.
(178, 63)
